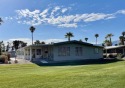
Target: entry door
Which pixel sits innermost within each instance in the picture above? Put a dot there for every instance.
(47, 53)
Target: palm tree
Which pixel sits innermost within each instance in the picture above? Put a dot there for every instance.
(121, 40)
(86, 39)
(32, 29)
(110, 38)
(123, 33)
(106, 43)
(69, 35)
(96, 35)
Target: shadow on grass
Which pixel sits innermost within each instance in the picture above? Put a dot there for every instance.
(78, 62)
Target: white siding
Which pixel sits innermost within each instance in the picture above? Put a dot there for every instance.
(87, 53)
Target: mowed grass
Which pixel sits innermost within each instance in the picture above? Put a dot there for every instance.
(111, 75)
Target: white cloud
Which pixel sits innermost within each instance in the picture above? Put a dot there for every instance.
(44, 13)
(61, 19)
(80, 17)
(68, 25)
(64, 10)
(97, 16)
(27, 13)
(121, 12)
(55, 10)
(55, 17)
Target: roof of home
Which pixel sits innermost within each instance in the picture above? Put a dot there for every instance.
(114, 47)
(73, 42)
(66, 42)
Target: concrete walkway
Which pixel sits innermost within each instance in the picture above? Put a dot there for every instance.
(20, 61)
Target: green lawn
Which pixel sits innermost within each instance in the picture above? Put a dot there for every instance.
(110, 75)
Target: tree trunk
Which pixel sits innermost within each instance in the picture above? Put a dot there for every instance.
(110, 41)
(96, 40)
(68, 38)
(32, 38)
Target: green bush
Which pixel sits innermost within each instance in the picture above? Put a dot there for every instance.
(4, 58)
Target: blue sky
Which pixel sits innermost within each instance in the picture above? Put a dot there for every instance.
(54, 18)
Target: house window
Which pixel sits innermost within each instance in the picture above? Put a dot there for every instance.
(64, 51)
(78, 51)
(38, 51)
(96, 50)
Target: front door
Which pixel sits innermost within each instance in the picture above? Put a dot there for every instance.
(47, 53)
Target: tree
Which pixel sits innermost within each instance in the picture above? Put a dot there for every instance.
(1, 41)
(80, 40)
(8, 46)
(43, 42)
(37, 42)
(16, 44)
(110, 38)
(123, 33)
(121, 38)
(32, 29)
(96, 35)
(106, 43)
(1, 47)
(22, 44)
(69, 35)
(86, 39)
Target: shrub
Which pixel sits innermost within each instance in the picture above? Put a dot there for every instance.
(7, 54)
(16, 61)
(4, 59)
(9, 62)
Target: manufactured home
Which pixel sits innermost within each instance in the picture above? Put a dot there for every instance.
(114, 50)
(62, 51)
